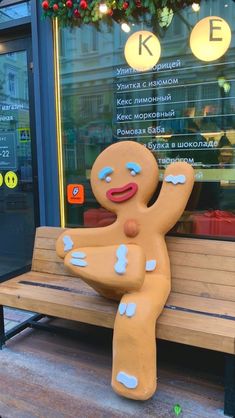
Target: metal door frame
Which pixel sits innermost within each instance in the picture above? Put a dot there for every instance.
(23, 42)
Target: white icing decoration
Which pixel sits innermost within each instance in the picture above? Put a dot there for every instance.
(78, 254)
(68, 243)
(120, 266)
(150, 265)
(128, 381)
(122, 308)
(78, 262)
(133, 173)
(130, 310)
(180, 179)
(108, 179)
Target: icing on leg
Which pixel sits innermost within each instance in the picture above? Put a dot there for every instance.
(122, 308)
(129, 382)
(130, 310)
(150, 265)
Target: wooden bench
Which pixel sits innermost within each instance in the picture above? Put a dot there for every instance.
(200, 310)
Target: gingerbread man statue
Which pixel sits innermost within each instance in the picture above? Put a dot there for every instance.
(128, 260)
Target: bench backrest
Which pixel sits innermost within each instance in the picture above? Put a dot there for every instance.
(199, 267)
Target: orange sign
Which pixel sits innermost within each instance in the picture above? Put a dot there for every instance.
(75, 193)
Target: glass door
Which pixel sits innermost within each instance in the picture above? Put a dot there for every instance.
(18, 172)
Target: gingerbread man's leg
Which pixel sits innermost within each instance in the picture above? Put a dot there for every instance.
(134, 341)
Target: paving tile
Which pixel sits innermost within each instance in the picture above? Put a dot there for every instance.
(16, 314)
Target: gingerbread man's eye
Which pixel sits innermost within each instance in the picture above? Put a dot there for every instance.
(104, 174)
(134, 168)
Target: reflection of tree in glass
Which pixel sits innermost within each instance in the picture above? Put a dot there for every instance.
(225, 156)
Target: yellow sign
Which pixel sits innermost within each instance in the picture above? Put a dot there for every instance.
(142, 50)
(210, 38)
(1, 179)
(11, 179)
(24, 134)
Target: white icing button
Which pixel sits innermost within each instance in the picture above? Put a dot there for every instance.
(150, 265)
(122, 308)
(108, 179)
(130, 310)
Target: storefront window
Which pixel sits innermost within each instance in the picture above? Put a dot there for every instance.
(15, 11)
(182, 110)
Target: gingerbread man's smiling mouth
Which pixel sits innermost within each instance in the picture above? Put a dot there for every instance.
(121, 194)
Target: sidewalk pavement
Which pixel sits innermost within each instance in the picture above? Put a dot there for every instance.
(13, 317)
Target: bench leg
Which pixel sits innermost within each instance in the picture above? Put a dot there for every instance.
(229, 383)
(2, 328)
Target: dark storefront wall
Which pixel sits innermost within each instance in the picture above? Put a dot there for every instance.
(195, 99)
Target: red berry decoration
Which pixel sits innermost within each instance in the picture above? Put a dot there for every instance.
(55, 7)
(125, 5)
(83, 4)
(77, 13)
(69, 4)
(138, 3)
(110, 12)
(45, 5)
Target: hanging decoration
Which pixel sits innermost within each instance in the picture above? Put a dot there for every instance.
(79, 12)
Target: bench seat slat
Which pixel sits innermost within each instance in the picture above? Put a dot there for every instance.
(53, 279)
(206, 261)
(49, 267)
(200, 246)
(202, 275)
(205, 290)
(197, 303)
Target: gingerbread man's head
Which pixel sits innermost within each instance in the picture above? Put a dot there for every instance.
(124, 174)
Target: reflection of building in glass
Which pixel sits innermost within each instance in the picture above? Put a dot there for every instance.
(14, 101)
(94, 85)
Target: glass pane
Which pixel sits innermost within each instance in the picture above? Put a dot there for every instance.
(16, 190)
(182, 110)
(16, 11)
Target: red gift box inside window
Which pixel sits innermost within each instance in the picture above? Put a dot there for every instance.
(97, 217)
(214, 222)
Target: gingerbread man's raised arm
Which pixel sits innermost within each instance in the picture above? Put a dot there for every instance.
(176, 188)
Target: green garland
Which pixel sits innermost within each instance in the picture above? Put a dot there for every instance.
(78, 12)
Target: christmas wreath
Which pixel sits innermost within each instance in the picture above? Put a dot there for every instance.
(78, 12)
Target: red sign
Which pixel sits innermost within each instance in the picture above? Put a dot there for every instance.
(75, 194)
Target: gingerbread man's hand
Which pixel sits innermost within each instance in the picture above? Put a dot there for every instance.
(176, 188)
